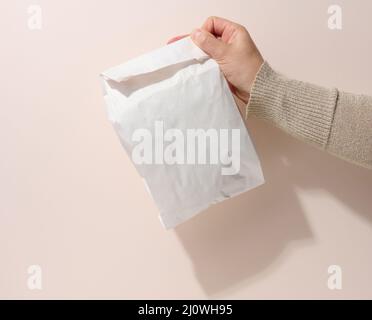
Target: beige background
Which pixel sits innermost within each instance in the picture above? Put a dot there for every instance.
(72, 202)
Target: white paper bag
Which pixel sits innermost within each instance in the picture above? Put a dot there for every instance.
(176, 118)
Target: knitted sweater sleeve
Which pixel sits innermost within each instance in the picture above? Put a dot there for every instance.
(335, 121)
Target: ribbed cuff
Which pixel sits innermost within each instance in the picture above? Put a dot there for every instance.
(302, 109)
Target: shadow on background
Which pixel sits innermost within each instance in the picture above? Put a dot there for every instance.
(244, 237)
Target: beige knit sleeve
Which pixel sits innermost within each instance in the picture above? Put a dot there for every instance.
(338, 122)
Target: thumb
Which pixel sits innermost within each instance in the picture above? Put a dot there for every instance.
(208, 43)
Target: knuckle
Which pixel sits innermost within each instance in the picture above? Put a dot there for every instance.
(241, 28)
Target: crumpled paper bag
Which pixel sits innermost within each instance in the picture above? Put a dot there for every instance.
(177, 119)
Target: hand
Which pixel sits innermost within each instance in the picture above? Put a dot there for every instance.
(234, 50)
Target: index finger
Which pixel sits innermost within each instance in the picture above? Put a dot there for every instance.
(218, 26)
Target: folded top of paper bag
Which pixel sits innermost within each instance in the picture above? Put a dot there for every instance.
(174, 53)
